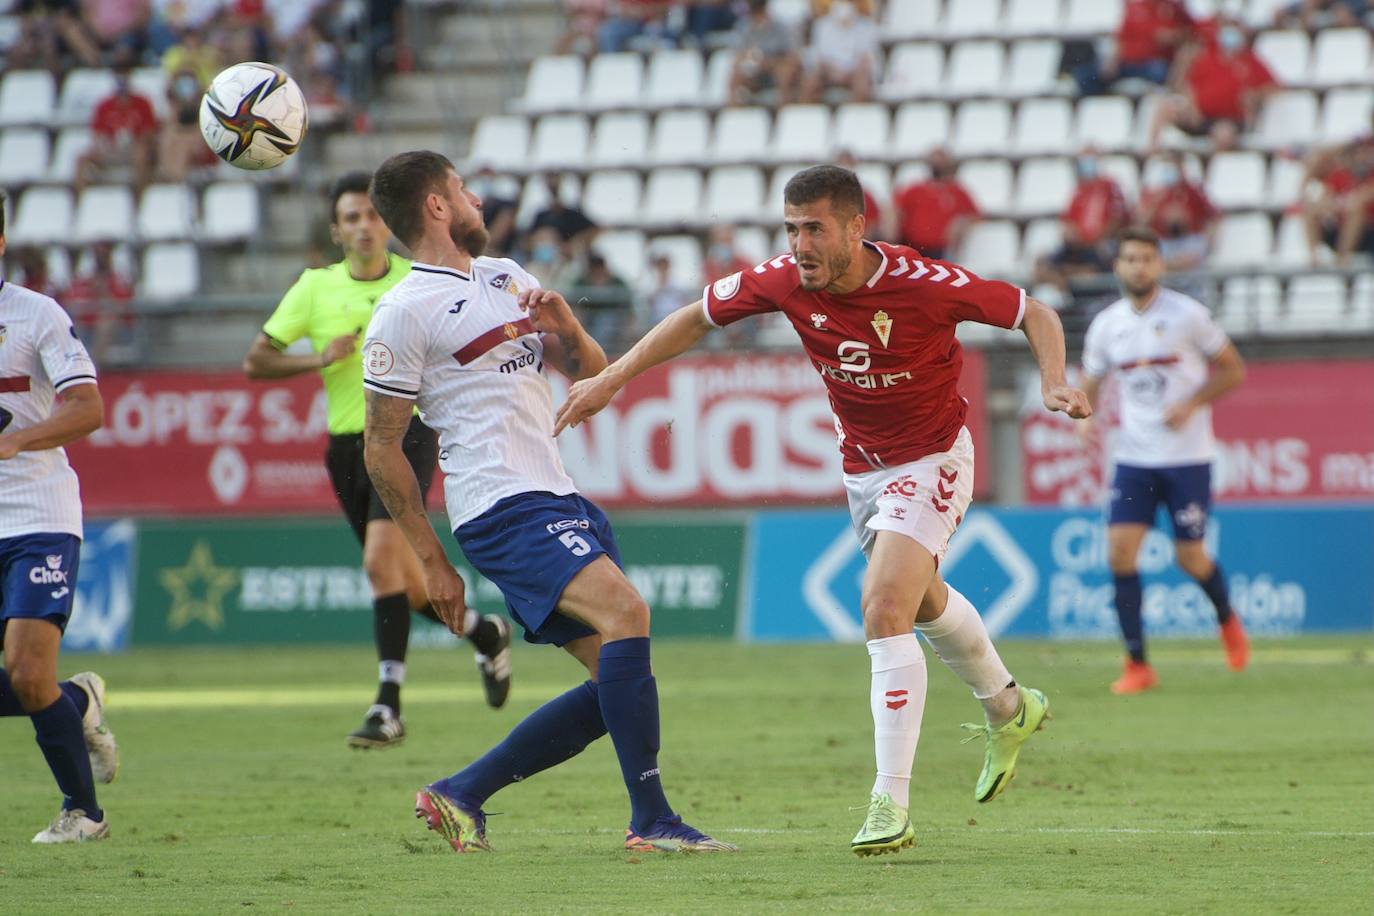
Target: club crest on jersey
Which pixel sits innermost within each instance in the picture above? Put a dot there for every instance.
(3, 331)
(882, 325)
(726, 287)
(505, 283)
(511, 331)
(819, 320)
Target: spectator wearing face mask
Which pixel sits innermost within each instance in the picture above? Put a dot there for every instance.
(766, 57)
(1179, 212)
(1147, 40)
(933, 216)
(603, 302)
(722, 258)
(843, 52)
(1338, 210)
(572, 225)
(180, 148)
(1096, 213)
(1227, 84)
(123, 134)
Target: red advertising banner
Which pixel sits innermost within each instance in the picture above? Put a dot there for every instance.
(713, 430)
(1296, 431)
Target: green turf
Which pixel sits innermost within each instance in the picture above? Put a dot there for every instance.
(1217, 793)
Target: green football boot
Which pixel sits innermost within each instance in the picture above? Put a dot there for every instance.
(1004, 743)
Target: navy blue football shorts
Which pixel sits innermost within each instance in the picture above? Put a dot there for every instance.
(38, 577)
(530, 546)
(1186, 490)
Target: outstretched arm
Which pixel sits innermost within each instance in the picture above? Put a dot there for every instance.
(672, 336)
(265, 361)
(1045, 335)
(79, 412)
(394, 479)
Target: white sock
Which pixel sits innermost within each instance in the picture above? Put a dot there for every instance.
(470, 621)
(898, 699)
(961, 642)
(392, 671)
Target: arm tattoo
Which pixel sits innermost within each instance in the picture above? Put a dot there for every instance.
(572, 353)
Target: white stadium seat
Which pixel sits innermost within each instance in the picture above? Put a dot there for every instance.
(802, 132)
(1316, 305)
(1044, 186)
(151, 83)
(1249, 305)
(1032, 17)
(1033, 68)
(1286, 53)
(1043, 126)
(876, 179)
(167, 211)
(684, 251)
(1260, 14)
(614, 81)
(975, 68)
(82, 90)
(1236, 180)
(104, 214)
(716, 92)
(1346, 114)
(1124, 171)
(1285, 183)
(791, 13)
(913, 70)
(502, 142)
(1104, 122)
(674, 79)
(981, 127)
(774, 202)
(27, 97)
(621, 138)
(989, 183)
(170, 271)
(741, 135)
(1043, 237)
(1092, 17)
(560, 141)
(680, 137)
(991, 248)
(229, 212)
(919, 128)
(534, 196)
(624, 253)
(862, 129)
(909, 173)
(673, 196)
(734, 193)
(1289, 118)
(72, 143)
(1291, 249)
(611, 198)
(555, 82)
(1243, 240)
(911, 18)
(753, 245)
(42, 215)
(1340, 56)
(1362, 304)
(972, 17)
(24, 153)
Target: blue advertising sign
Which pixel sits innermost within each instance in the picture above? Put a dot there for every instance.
(104, 609)
(1043, 573)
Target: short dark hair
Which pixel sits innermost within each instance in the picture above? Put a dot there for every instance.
(826, 182)
(399, 187)
(1137, 234)
(351, 183)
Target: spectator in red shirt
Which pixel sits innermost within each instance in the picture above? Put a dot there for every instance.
(722, 257)
(1341, 211)
(98, 301)
(1149, 36)
(1179, 212)
(1096, 213)
(933, 216)
(1227, 82)
(124, 133)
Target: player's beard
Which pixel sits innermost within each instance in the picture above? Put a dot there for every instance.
(472, 239)
(1139, 290)
(836, 264)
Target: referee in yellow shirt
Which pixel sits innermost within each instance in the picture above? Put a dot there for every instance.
(332, 307)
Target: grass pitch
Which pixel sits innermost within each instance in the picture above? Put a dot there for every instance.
(1217, 793)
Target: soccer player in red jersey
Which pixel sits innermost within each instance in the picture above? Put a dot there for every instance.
(877, 321)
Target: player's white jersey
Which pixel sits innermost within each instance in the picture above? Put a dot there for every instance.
(1160, 356)
(461, 346)
(40, 356)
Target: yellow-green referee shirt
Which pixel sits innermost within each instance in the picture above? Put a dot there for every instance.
(326, 303)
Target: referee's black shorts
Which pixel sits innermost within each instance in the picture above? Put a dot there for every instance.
(353, 487)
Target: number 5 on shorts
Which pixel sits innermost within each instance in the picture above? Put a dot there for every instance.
(576, 543)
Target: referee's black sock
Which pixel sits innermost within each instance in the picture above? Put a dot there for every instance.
(391, 630)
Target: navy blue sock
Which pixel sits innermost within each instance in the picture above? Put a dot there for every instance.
(1215, 587)
(80, 698)
(1128, 612)
(9, 700)
(629, 706)
(553, 733)
(58, 731)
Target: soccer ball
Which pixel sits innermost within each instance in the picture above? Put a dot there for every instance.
(253, 116)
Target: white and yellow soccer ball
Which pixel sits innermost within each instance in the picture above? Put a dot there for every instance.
(253, 116)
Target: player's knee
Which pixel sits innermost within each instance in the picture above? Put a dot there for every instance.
(887, 613)
(1195, 562)
(31, 685)
(384, 571)
(627, 617)
(1121, 557)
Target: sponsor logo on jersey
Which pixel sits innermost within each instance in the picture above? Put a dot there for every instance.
(51, 574)
(727, 287)
(860, 379)
(904, 486)
(566, 523)
(379, 359)
(505, 283)
(818, 320)
(528, 358)
(457, 306)
(882, 324)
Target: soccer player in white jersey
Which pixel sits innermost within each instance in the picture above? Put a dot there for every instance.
(48, 397)
(466, 339)
(1160, 343)
(877, 321)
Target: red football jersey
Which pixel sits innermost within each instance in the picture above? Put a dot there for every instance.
(886, 352)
